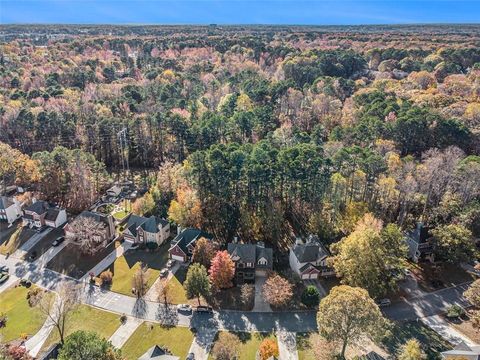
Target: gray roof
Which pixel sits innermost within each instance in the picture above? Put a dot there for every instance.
(5, 202)
(420, 234)
(148, 224)
(38, 207)
(312, 250)
(157, 353)
(372, 355)
(189, 236)
(251, 253)
(464, 350)
(52, 214)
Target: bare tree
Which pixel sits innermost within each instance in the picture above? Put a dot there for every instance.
(59, 309)
(87, 233)
(139, 281)
(164, 293)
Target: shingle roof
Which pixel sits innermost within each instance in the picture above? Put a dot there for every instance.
(372, 355)
(52, 214)
(5, 202)
(38, 207)
(189, 236)
(157, 353)
(134, 221)
(266, 253)
(251, 253)
(311, 251)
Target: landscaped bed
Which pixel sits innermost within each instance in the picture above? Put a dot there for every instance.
(231, 299)
(249, 343)
(177, 339)
(14, 237)
(70, 261)
(90, 319)
(21, 318)
(124, 267)
(401, 332)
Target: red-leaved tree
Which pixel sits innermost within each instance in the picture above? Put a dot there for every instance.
(222, 270)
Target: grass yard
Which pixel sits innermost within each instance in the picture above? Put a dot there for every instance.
(177, 292)
(176, 339)
(71, 262)
(303, 347)
(14, 237)
(89, 318)
(125, 267)
(249, 344)
(22, 319)
(401, 332)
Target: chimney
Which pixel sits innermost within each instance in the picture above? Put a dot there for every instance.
(298, 240)
(235, 239)
(261, 244)
(179, 229)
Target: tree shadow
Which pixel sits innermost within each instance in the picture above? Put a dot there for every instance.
(140, 308)
(167, 315)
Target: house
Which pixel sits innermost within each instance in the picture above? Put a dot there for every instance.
(140, 229)
(106, 219)
(372, 355)
(463, 351)
(10, 209)
(40, 213)
(158, 353)
(419, 243)
(309, 259)
(114, 191)
(182, 246)
(250, 260)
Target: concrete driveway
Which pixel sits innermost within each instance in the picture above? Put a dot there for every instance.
(260, 304)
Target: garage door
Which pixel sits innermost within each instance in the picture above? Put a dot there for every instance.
(178, 258)
(309, 276)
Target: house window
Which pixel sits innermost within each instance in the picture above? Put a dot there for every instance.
(262, 261)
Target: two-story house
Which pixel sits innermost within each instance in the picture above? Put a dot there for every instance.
(140, 229)
(250, 260)
(463, 351)
(10, 209)
(181, 248)
(309, 259)
(419, 243)
(40, 213)
(106, 220)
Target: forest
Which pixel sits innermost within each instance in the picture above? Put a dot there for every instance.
(258, 132)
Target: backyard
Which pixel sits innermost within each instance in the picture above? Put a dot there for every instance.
(21, 318)
(87, 318)
(176, 339)
(124, 267)
(70, 261)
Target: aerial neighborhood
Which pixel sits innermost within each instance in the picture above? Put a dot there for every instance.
(239, 192)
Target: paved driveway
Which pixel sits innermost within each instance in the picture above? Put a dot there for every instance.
(260, 304)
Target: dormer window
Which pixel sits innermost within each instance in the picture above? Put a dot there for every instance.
(262, 261)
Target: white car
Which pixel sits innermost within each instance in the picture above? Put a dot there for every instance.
(184, 308)
(164, 273)
(170, 263)
(384, 302)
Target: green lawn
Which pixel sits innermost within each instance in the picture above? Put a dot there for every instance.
(249, 344)
(88, 318)
(125, 267)
(22, 319)
(119, 215)
(177, 292)
(303, 347)
(176, 339)
(401, 332)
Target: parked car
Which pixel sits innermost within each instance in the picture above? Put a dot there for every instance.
(384, 302)
(4, 269)
(190, 356)
(58, 241)
(164, 273)
(184, 308)
(32, 256)
(4, 277)
(204, 309)
(170, 263)
(41, 229)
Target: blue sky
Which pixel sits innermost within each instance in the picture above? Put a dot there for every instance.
(317, 12)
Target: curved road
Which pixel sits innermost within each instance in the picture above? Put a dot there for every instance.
(294, 321)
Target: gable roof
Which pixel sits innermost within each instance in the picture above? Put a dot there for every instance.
(52, 214)
(38, 207)
(5, 202)
(311, 251)
(150, 224)
(464, 350)
(251, 253)
(372, 355)
(157, 353)
(188, 237)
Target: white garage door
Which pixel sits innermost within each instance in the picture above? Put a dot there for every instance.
(176, 257)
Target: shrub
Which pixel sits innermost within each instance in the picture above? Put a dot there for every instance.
(106, 277)
(123, 319)
(33, 296)
(311, 296)
(455, 311)
(268, 348)
(3, 320)
(151, 245)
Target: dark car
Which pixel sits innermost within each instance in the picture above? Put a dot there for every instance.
(204, 309)
(58, 241)
(4, 269)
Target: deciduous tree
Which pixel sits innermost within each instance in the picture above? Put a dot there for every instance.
(277, 290)
(197, 283)
(222, 270)
(453, 243)
(88, 345)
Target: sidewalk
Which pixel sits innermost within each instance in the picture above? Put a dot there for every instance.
(202, 342)
(107, 260)
(287, 345)
(443, 328)
(35, 343)
(120, 337)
